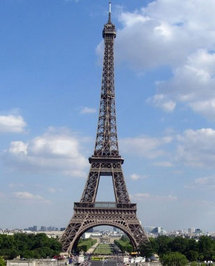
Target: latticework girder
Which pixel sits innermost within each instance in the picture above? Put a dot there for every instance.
(105, 161)
(106, 138)
(109, 167)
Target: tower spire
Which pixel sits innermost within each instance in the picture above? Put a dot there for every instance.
(106, 138)
(109, 13)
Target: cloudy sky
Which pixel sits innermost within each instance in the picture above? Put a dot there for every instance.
(50, 76)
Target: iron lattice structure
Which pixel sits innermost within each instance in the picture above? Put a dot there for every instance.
(105, 161)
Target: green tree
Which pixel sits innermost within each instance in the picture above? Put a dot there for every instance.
(192, 255)
(28, 246)
(146, 250)
(2, 261)
(192, 245)
(40, 240)
(7, 242)
(163, 243)
(194, 263)
(124, 244)
(179, 244)
(125, 238)
(174, 259)
(154, 245)
(206, 247)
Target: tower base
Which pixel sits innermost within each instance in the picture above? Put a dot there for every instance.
(88, 215)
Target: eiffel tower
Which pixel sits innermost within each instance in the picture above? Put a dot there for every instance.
(105, 161)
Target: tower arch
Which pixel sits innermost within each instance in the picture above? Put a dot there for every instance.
(123, 228)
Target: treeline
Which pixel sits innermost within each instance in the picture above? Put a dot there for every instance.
(194, 250)
(174, 248)
(124, 244)
(28, 246)
(85, 244)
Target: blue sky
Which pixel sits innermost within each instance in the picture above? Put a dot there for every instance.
(50, 76)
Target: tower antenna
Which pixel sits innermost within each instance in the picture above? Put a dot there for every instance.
(109, 14)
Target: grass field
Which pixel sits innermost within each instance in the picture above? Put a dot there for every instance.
(103, 249)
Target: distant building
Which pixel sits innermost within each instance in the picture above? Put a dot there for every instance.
(149, 229)
(91, 234)
(32, 228)
(198, 231)
(52, 228)
(158, 231)
(191, 231)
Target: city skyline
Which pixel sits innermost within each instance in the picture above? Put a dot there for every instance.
(50, 88)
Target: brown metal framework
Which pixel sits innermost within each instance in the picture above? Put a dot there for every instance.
(105, 161)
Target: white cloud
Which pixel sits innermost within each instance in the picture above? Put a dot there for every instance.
(163, 164)
(54, 190)
(191, 84)
(18, 147)
(197, 147)
(14, 185)
(166, 32)
(140, 196)
(29, 196)
(160, 100)
(52, 152)
(144, 146)
(169, 33)
(203, 183)
(137, 177)
(12, 124)
(88, 110)
(204, 180)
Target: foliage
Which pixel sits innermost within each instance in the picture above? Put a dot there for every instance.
(162, 245)
(2, 261)
(85, 244)
(124, 244)
(124, 238)
(28, 246)
(174, 259)
(201, 250)
(146, 250)
(192, 255)
(207, 247)
(194, 263)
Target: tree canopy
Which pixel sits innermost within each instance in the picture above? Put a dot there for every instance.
(173, 259)
(200, 249)
(28, 246)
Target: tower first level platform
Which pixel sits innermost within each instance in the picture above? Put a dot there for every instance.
(88, 215)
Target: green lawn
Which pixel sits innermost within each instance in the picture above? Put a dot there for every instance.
(103, 249)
